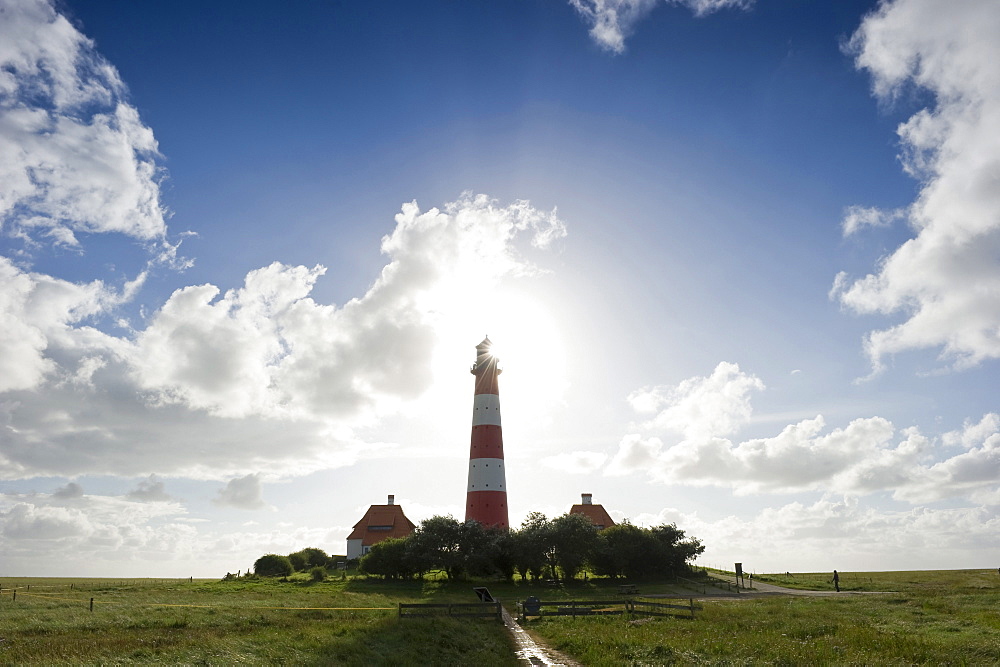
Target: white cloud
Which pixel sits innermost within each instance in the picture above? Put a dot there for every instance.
(24, 521)
(842, 534)
(268, 349)
(612, 21)
(857, 218)
(242, 493)
(74, 156)
(296, 372)
(50, 535)
(869, 455)
(635, 454)
(701, 406)
(39, 312)
(71, 521)
(575, 463)
(945, 280)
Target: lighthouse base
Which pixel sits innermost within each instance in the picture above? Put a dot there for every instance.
(487, 507)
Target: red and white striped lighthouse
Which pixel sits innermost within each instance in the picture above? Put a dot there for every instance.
(486, 500)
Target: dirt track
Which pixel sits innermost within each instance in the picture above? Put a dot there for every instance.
(761, 589)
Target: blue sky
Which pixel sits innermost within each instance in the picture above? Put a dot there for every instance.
(739, 256)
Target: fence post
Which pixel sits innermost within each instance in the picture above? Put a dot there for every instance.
(15, 596)
(91, 604)
(691, 602)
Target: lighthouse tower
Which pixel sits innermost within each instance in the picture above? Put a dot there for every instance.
(486, 501)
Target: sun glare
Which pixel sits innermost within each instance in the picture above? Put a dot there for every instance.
(526, 341)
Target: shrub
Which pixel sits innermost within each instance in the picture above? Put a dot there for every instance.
(317, 573)
(298, 561)
(273, 565)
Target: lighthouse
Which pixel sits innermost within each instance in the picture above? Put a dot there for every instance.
(486, 499)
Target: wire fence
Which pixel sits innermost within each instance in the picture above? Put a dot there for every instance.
(17, 593)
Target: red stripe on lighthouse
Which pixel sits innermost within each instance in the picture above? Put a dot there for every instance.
(486, 499)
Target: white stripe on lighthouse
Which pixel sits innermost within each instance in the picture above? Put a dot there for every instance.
(486, 475)
(486, 410)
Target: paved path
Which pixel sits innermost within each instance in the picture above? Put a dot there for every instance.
(530, 652)
(761, 589)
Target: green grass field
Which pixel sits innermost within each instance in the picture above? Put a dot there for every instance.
(946, 617)
(943, 617)
(351, 622)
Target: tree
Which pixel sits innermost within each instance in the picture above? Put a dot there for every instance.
(309, 557)
(574, 540)
(500, 546)
(298, 561)
(388, 559)
(273, 565)
(437, 543)
(531, 545)
(625, 550)
(673, 550)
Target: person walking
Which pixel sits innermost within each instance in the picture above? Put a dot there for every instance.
(836, 581)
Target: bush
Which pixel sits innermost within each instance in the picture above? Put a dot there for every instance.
(317, 573)
(273, 565)
(298, 561)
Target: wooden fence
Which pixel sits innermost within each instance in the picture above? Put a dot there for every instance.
(651, 608)
(464, 610)
(574, 608)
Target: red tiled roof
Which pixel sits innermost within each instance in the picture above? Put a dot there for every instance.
(381, 522)
(596, 513)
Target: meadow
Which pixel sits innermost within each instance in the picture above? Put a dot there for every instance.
(209, 622)
(944, 617)
(937, 617)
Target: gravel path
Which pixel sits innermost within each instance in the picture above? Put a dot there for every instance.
(761, 589)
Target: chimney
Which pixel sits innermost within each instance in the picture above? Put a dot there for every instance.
(392, 499)
(588, 498)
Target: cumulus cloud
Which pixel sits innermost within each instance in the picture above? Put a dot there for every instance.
(91, 535)
(268, 349)
(242, 493)
(74, 155)
(150, 490)
(843, 534)
(39, 313)
(71, 522)
(945, 280)
(217, 379)
(701, 406)
(869, 455)
(575, 463)
(612, 21)
(24, 521)
(70, 491)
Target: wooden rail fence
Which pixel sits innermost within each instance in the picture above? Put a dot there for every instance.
(574, 608)
(464, 609)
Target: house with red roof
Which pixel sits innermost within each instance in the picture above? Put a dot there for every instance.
(596, 513)
(380, 522)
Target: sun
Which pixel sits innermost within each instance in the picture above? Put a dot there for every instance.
(526, 341)
(528, 345)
